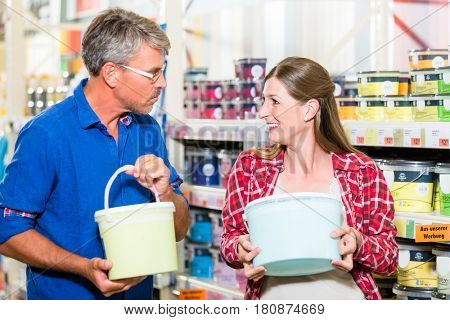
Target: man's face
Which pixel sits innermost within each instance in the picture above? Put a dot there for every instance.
(138, 93)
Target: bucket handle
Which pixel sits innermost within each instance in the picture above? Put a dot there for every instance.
(244, 219)
(125, 168)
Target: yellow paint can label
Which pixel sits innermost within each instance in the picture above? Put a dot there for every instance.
(412, 191)
(378, 84)
(426, 109)
(398, 110)
(425, 83)
(371, 110)
(417, 269)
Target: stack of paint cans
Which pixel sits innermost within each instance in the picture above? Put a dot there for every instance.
(417, 276)
(208, 166)
(345, 92)
(430, 84)
(442, 253)
(383, 96)
(192, 94)
(226, 99)
(202, 250)
(250, 75)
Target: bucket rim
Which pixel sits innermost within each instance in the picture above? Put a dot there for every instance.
(290, 195)
(402, 290)
(439, 295)
(154, 205)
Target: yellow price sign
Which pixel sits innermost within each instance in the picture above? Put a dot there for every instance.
(192, 294)
(433, 233)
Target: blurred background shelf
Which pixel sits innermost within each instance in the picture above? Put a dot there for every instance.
(205, 197)
(188, 282)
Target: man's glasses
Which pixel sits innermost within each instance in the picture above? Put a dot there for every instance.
(152, 76)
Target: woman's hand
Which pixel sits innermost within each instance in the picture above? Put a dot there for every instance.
(246, 253)
(350, 239)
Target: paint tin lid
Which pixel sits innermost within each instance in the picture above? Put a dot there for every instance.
(442, 167)
(397, 97)
(407, 244)
(406, 165)
(442, 250)
(379, 72)
(404, 291)
(425, 71)
(429, 51)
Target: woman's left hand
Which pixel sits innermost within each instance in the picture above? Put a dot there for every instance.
(348, 245)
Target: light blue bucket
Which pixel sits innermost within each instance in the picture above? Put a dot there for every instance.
(293, 232)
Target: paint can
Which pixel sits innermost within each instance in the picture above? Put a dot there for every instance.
(411, 184)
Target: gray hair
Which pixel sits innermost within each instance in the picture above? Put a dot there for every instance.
(116, 35)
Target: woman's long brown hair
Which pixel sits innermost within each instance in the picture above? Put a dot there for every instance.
(305, 79)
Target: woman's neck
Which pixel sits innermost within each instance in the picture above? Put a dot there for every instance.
(305, 158)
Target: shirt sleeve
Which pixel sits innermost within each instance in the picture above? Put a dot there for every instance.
(379, 251)
(232, 214)
(27, 184)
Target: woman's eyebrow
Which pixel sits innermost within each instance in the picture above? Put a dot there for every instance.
(272, 95)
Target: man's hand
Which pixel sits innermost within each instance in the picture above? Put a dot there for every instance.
(150, 171)
(96, 270)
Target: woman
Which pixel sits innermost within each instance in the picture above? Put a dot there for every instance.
(311, 154)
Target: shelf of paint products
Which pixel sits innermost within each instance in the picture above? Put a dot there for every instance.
(205, 197)
(406, 222)
(218, 130)
(188, 282)
(435, 135)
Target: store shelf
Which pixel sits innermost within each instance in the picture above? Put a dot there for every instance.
(435, 135)
(205, 197)
(218, 130)
(185, 281)
(406, 222)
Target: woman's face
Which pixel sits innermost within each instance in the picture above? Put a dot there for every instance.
(284, 115)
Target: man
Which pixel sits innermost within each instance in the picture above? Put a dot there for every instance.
(65, 156)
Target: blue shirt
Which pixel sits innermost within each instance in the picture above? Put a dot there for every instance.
(56, 181)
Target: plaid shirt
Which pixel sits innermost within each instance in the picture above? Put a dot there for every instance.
(367, 201)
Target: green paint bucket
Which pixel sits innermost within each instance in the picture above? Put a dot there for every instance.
(139, 240)
(444, 80)
(443, 170)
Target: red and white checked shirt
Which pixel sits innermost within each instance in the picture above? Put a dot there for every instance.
(367, 201)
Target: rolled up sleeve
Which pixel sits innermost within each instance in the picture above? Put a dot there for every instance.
(28, 182)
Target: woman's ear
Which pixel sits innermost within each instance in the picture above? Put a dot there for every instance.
(312, 107)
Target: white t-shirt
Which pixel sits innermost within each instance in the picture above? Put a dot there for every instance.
(335, 284)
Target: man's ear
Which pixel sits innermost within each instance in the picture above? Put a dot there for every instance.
(110, 74)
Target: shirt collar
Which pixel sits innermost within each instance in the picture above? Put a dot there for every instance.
(341, 161)
(86, 115)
